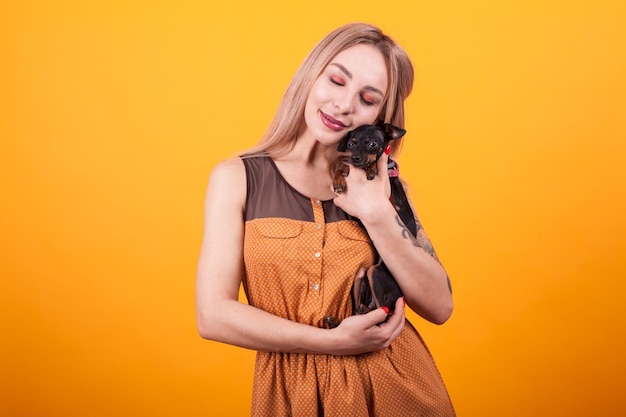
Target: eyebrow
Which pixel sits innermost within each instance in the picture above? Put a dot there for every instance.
(349, 75)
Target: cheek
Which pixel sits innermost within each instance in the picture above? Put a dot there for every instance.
(312, 101)
(318, 92)
(368, 116)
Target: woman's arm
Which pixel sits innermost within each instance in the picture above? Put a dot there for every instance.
(412, 261)
(221, 317)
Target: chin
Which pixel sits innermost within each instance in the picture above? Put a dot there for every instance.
(329, 140)
(325, 136)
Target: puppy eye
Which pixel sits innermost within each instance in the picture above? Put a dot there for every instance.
(373, 144)
(350, 144)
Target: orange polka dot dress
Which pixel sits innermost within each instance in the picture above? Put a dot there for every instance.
(300, 259)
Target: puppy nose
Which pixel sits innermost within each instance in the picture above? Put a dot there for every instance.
(356, 158)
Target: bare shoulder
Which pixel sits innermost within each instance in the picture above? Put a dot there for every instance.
(229, 170)
(228, 182)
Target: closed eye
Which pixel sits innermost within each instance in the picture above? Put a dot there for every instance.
(339, 82)
(366, 102)
(336, 81)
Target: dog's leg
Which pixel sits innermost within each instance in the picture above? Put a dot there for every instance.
(339, 182)
(371, 170)
(385, 289)
(361, 294)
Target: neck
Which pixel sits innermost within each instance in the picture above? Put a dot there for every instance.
(312, 153)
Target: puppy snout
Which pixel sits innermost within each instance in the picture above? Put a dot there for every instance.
(356, 158)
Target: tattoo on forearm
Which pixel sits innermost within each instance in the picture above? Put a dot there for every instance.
(420, 241)
(406, 233)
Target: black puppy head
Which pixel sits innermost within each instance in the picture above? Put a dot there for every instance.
(366, 143)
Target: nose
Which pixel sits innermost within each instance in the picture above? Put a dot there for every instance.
(343, 103)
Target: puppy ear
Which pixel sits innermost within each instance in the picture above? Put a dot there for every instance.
(392, 132)
(343, 143)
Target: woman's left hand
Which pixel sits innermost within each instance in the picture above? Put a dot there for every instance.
(363, 198)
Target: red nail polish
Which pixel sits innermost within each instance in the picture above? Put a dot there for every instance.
(403, 301)
(385, 309)
(388, 150)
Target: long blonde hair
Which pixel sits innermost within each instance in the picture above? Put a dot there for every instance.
(288, 121)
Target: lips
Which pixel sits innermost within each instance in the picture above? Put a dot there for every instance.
(331, 123)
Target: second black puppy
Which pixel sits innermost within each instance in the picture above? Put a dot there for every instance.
(375, 287)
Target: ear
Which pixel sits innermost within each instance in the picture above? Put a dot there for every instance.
(392, 132)
(343, 144)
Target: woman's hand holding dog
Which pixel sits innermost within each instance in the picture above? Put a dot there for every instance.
(364, 198)
(362, 333)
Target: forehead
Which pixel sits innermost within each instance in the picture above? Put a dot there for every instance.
(366, 64)
(367, 132)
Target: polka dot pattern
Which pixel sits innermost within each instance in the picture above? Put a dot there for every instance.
(303, 271)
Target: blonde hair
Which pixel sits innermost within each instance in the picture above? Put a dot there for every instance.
(288, 121)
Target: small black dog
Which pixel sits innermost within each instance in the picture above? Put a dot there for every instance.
(361, 148)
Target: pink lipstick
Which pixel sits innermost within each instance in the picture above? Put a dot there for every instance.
(331, 123)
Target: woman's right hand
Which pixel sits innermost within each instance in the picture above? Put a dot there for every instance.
(362, 333)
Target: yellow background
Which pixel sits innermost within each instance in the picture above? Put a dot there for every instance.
(112, 115)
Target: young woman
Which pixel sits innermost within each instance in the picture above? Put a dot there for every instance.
(273, 223)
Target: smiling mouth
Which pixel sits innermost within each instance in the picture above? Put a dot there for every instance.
(331, 122)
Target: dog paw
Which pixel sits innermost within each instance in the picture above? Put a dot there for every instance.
(339, 187)
(372, 174)
(331, 322)
(362, 309)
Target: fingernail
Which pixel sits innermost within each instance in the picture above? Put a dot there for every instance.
(388, 150)
(403, 301)
(385, 309)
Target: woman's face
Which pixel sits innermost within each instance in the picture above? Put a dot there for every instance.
(348, 93)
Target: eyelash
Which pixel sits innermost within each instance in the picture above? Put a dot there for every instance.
(365, 102)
